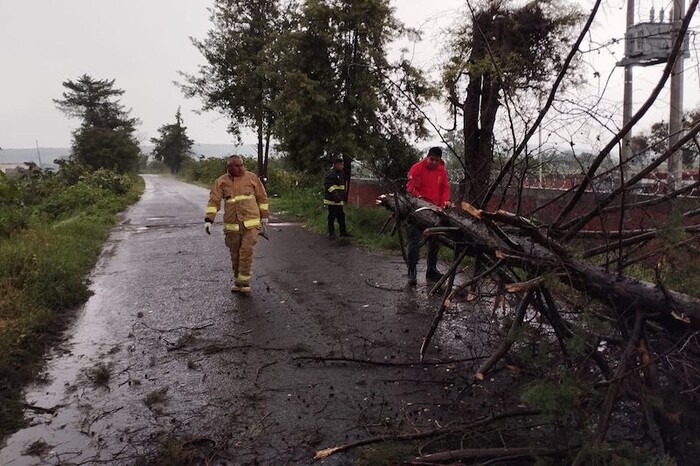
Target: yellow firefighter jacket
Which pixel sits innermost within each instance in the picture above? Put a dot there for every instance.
(245, 201)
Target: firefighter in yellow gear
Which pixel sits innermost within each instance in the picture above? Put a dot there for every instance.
(246, 214)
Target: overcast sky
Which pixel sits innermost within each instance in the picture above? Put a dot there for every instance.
(142, 44)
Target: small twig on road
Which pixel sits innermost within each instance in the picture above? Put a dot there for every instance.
(39, 409)
(257, 373)
(98, 417)
(503, 454)
(215, 348)
(383, 287)
(320, 410)
(200, 327)
(384, 363)
(257, 428)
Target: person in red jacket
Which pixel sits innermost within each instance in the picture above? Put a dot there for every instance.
(428, 180)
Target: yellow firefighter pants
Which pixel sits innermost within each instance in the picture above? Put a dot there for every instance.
(242, 244)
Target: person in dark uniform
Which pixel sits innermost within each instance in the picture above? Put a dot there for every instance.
(334, 197)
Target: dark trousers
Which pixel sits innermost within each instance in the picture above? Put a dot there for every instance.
(415, 234)
(336, 212)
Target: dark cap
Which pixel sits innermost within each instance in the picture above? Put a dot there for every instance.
(338, 159)
(435, 151)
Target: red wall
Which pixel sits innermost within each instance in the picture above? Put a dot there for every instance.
(365, 192)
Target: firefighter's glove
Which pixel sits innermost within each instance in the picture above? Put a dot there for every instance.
(263, 225)
(207, 227)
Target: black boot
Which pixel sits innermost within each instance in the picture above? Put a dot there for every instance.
(412, 276)
(433, 274)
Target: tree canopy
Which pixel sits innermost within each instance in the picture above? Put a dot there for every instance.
(240, 76)
(173, 146)
(105, 138)
(316, 76)
(501, 50)
(648, 145)
(342, 96)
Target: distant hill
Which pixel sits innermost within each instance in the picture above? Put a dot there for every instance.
(220, 150)
(46, 154)
(49, 154)
(215, 150)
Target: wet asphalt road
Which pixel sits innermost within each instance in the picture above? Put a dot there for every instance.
(219, 375)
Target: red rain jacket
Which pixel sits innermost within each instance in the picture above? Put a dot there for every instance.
(432, 185)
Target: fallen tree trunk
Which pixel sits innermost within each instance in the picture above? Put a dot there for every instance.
(538, 254)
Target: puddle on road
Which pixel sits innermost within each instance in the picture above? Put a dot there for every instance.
(53, 402)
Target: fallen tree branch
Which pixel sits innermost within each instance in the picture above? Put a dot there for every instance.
(509, 340)
(445, 303)
(452, 428)
(668, 308)
(502, 453)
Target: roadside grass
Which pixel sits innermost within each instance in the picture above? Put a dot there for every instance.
(369, 226)
(100, 374)
(43, 270)
(364, 223)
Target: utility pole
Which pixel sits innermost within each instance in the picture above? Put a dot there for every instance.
(626, 150)
(675, 162)
(539, 141)
(648, 44)
(38, 153)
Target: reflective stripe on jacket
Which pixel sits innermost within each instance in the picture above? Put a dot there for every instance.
(245, 201)
(334, 188)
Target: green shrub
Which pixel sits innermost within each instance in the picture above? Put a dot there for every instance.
(204, 170)
(10, 192)
(557, 398)
(12, 219)
(108, 180)
(70, 200)
(70, 171)
(14, 216)
(282, 181)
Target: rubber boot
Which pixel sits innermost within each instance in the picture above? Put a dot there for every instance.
(412, 276)
(433, 275)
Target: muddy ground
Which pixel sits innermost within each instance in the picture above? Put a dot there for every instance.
(164, 362)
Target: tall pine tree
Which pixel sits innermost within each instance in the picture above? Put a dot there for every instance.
(105, 138)
(173, 146)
